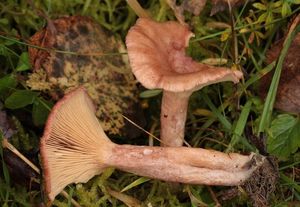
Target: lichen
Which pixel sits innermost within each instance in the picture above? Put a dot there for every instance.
(37, 81)
(106, 79)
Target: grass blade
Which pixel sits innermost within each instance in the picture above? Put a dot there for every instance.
(240, 125)
(216, 112)
(135, 183)
(269, 103)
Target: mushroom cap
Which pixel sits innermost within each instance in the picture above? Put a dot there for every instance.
(157, 56)
(70, 148)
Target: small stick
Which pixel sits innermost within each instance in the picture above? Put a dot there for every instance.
(9, 146)
(141, 128)
(214, 197)
(150, 134)
(128, 200)
(136, 7)
(14, 150)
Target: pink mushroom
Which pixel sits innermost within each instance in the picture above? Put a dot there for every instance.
(74, 148)
(157, 57)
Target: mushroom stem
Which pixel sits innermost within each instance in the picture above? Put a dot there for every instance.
(172, 118)
(173, 164)
(74, 148)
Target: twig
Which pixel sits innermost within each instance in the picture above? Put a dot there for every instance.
(7, 145)
(141, 128)
(136, 7)
(151, 135)
(214, 197)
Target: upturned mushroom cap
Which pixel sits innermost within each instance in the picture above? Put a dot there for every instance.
(71, 130)
(74, 148)
(157, 56)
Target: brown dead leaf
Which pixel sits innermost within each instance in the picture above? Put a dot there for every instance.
(6, 125)
(288, 92)
(193, 6)
(19, 171)
(196, 6)
(221, 5)
(75, 56)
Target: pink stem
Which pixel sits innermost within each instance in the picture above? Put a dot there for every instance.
(173, 164)
(172, 118)
(210, 159)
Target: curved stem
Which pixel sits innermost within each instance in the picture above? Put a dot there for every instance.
(210, 159)
(158, 163)
(173, 117)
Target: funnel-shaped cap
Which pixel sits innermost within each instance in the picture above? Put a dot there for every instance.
(71, 131)
(157, 57)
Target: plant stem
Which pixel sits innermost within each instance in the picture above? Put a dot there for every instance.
(173, 117)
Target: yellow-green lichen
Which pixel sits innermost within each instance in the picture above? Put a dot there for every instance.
(107, 78)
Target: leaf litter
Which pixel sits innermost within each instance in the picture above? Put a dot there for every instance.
(79, 55)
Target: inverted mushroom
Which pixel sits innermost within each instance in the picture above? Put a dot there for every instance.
(157, 57)
(74, 148)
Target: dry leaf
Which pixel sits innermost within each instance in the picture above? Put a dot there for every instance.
(221, 5)
(193, 6)
(288, 92)
(20, 172)
(107, 78)
(196, 6)
(6, 125)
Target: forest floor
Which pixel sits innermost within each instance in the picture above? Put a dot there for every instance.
(44, 54)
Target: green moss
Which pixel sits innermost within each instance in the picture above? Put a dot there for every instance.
(22, 140)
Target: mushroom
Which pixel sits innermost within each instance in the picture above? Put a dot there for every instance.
(157, 57)
(74, 148)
